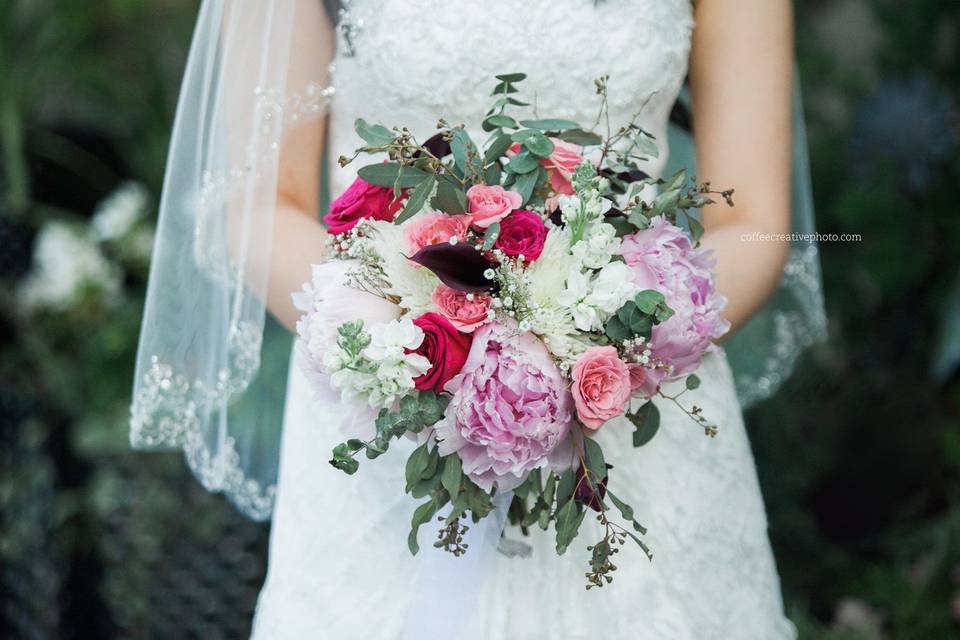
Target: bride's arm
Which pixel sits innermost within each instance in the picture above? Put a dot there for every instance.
(741, 75)
(298, 237)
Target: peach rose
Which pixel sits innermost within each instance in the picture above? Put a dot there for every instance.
(464, 311)
(491, 204)
(561, 165)
(434, 228)
(601, 386)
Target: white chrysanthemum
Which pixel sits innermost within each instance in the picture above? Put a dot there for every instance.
(592, 300)
(118, 213)
(66, 263)
(599, 245)
(412, 284)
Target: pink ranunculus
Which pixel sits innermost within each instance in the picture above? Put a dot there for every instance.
(522, 233)
(466, 311)
(445, 348)
(510, 412)
(433, 228)
(361, 200)
(491, 204)
(662, 257)
(601, 386)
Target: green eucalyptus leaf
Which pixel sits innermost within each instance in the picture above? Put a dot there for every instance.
(565, 486)
(526, 183)
(511, 77)
(375, 135)
(499, 121)
(416, 465)
(581, 137)
(625, 510)
(498, 147)
(539, 145)
(616, 330)
(523, 162)
(449, 198)
(417, 200)
(503, 88)
(550, 124)
(465, 153)
(392, 174)
(647, 423)
(452, 473)
(593, 456)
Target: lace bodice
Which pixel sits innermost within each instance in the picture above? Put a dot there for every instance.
(410, 62)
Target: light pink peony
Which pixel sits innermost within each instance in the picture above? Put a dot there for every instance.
(466, 314)
(434, 228)
(510, 411)
(601, 386)
(491, 204)
(663, 258)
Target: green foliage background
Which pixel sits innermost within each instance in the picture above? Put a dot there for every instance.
(859, 455)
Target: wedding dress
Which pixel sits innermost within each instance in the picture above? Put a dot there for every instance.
(339, 564)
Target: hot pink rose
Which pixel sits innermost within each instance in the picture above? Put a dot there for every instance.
(522, 232)
(434, 228)
(361, 200)
(466, 311)
(445, 348)
(491, 204)
(601, 386)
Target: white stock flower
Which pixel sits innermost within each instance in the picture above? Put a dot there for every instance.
(599, 245)
(592, 300)
(395, 368)
(66, 262)
(119, 212)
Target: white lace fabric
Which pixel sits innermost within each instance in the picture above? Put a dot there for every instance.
(339, 565)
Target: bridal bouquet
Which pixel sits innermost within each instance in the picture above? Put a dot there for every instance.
(526, 293)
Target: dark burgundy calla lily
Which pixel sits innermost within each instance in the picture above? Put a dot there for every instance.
(588, 495)
(459, 266)
(436, 145)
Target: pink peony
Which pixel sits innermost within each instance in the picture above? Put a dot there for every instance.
(491, 204)
(361, 200)
(663, 258)
(434, 228)
(522, 233)
(445, 348)
(601, 386)
(465, 311)
(510, 411)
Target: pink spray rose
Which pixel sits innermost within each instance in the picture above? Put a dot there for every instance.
(491, 204)
(522, 233)
(434, 228)
(510, 411)
(445, 348)
(361, 200)
(662, 257)
(465, 311)
(601, 386)
(560, 166)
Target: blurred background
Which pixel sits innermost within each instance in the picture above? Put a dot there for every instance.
(858, 455)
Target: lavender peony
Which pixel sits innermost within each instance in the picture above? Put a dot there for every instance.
(663, 258)
(510, 412)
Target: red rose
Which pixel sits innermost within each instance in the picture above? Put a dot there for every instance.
(445, 348)
(361, 200)
(522, 232)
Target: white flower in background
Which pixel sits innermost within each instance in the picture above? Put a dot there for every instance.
(119, 213)
(592, 300)
(395, 367)
(599, 244)
(66, 263)
(412, 284)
